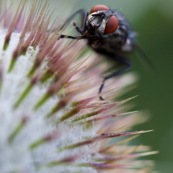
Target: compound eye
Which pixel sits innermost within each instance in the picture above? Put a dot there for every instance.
(98, 8)
(112, 25)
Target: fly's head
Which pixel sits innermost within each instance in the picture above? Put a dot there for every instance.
(101, 20)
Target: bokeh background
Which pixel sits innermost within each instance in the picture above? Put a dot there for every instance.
(153, 21)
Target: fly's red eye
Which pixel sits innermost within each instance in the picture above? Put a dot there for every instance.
(111, 25)
(98, 8)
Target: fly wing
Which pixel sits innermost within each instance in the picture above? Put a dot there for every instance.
(144, 58)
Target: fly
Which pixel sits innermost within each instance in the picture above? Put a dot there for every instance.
(109, 33)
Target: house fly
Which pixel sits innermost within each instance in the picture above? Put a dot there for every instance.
(108, 33)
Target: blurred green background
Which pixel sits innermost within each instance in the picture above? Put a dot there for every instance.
(153, 21)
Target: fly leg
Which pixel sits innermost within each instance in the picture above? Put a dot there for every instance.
(84, 24)
(81, 12)
(125, 66)
(81, 30)
(79, 37)
(71, 37)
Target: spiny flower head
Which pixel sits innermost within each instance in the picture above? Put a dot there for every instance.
(51, 119)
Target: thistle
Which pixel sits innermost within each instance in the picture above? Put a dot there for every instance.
(51, 119)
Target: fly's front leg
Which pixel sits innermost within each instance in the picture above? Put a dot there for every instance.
(125, 66)
(84, 16)
(84, 23)
(71, 37)
(81, 12)
(79, 37)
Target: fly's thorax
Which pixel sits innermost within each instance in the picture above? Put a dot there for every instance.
(113, 44)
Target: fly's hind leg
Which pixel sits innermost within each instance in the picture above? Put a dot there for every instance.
(125, 65)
